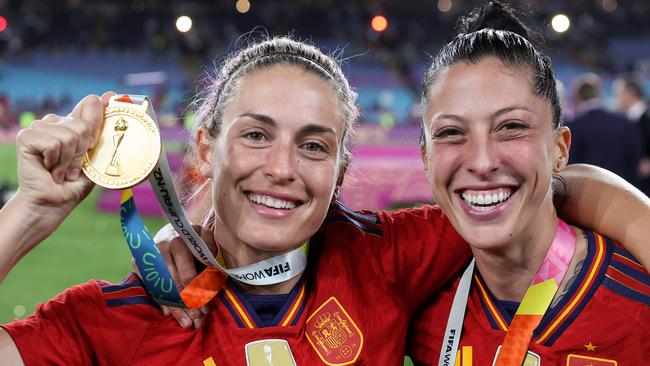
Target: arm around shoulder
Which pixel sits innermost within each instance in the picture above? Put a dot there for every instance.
(606, 203)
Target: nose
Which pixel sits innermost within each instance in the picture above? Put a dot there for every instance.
(280, 164)
(482, 157)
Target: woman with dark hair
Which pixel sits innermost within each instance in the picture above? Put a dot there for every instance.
(543, 292)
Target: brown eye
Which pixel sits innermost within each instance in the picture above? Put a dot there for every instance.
(447, 133)
(513, 125)
(254, 136)
(315, 148)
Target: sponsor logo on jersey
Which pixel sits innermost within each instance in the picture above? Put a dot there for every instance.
(578, 360)
(531, 359)
(269, 352)
(333, 334)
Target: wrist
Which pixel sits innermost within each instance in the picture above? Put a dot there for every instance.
(27, 222)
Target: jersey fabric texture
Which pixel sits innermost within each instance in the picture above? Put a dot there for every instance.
(604, 318)
(366, 275)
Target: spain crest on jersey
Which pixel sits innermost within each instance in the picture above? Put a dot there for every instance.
(333, 334)
(578, 360)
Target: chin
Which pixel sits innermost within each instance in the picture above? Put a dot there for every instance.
(489, 238)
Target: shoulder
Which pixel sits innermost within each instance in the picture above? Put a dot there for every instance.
(130, 291)
(626, 277)
(98, 297)
(416, 221)
(342, 218)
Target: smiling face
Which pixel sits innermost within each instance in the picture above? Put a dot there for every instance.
(275, 163)
(491, 151)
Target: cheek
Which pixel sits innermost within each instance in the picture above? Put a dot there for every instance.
(238, 161)
(442, 162)
(319, 176)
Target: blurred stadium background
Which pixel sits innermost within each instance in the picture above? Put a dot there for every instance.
(52, 53)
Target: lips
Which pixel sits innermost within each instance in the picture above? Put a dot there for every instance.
(486, 200)
(273, 202)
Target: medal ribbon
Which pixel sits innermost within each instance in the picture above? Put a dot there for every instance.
(530, 312)
(538, 297)
(154, 271)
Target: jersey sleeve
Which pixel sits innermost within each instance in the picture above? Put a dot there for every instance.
(53, 335)
(424, 252)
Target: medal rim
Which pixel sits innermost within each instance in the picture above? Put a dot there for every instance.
(130, 114)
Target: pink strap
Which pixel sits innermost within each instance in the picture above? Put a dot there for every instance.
(559, 255)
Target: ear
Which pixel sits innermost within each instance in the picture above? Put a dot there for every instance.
(204, 151)
(425, 160)
(562, 146)
(339, 181)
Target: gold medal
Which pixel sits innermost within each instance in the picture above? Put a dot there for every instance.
(127, 151)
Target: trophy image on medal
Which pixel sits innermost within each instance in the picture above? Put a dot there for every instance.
(113, 168)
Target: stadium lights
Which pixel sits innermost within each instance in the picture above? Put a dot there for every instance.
(560, 23)
(243, 6)
(379, 23)
(3, 23)
(184, 23)
(444, 5)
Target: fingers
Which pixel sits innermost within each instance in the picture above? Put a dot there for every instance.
(187, 317)
(180, 262)
(91, 110)
(166, 253)
(184, 261)
(61, 142)
(106, 97)
(74, 137)
(208, 238)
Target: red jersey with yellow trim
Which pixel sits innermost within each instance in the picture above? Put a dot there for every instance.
(366, 275)
(603, 320)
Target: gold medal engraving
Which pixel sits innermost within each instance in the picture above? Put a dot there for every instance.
(269, 352)
(127, 150)
(113, 167)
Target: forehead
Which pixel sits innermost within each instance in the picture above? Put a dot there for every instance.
(488, 84)
(286, 93)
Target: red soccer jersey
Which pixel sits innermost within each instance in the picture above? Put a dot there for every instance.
(603, 320)
(367, 273)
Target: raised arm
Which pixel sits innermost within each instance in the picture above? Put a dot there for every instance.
(602, 201)
(50, 182)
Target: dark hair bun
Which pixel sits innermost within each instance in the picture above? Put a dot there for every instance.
(493, 15)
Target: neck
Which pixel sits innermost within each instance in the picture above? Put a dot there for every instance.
(509, 269)
(239, 254)
(275, 289)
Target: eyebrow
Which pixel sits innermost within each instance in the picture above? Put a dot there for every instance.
(307, 129)
(493, 115)
(510, 109)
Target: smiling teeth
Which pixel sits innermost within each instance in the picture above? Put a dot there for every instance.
(485, 201)
(271, 202)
